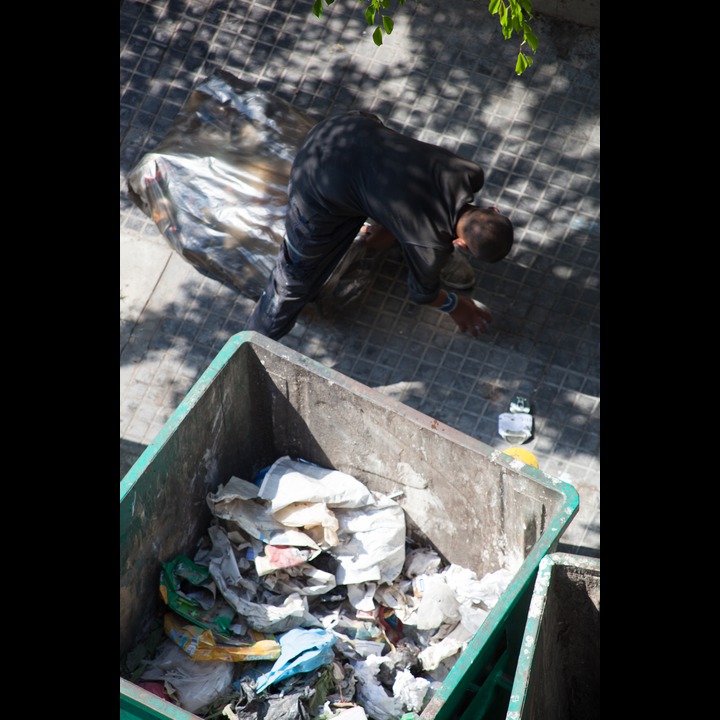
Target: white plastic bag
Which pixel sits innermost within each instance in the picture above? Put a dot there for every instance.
(196, 684)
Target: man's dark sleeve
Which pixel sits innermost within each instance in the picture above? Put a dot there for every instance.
(424, 266)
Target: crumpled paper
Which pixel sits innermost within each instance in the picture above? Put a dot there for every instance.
(364, 531)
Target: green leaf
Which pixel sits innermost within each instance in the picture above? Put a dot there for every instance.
(513, 16)
(532, 41)
(505, 25)
(527, 7)
(523, 63)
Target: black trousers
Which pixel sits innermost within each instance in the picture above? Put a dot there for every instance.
(304, 263)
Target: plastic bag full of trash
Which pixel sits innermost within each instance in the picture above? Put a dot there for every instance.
(216, 187)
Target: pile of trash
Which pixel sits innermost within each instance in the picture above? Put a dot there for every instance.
(306, 600)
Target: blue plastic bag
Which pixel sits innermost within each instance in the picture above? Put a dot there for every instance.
(302, 650)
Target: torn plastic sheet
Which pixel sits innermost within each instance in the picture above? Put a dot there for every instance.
(195, 684)
(410, 690)
(468, 588)
(442, 647)
(301, 650)
(438, 604)
(299, 697)
(434, 654)
(371, 694)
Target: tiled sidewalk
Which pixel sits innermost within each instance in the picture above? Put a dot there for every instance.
(443, 77)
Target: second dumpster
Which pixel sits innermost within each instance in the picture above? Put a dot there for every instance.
(558, 670)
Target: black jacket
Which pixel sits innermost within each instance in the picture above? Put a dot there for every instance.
(351, 166)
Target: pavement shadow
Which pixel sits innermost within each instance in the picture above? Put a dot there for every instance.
(129, 453)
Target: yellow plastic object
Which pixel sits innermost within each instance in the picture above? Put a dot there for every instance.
(522, 454)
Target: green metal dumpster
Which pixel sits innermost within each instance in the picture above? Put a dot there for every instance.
(259, 400)
(558, 671)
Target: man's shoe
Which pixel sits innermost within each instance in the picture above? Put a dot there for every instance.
(458, 273)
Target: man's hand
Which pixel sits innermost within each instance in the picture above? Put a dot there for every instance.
(471, 316)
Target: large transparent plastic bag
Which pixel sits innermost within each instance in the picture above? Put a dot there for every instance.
(216, 185)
